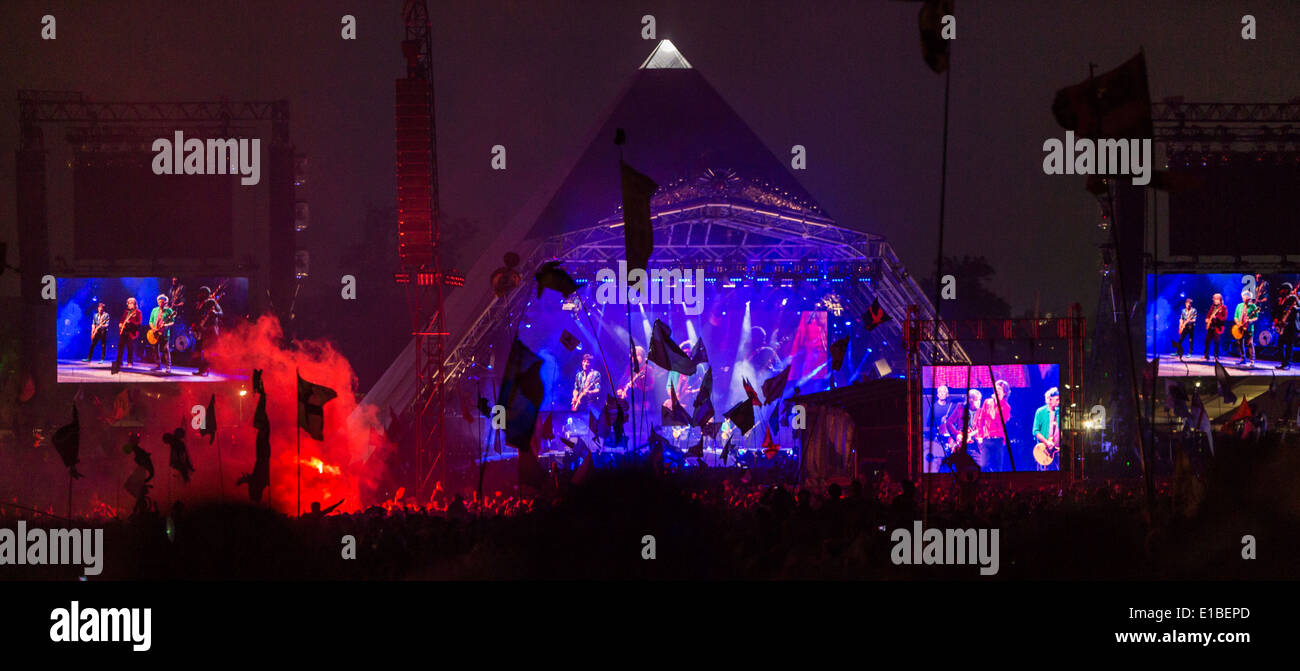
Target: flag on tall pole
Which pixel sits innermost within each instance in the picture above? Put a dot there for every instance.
(311, 407)
(666, 354)
(638, 233)
(774, 386)
(934, 48)
(67, 442)
(311, 417)
(522, 392)
(1114, 104)
(209, 428)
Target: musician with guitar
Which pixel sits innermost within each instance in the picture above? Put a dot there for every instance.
(1047, 431)
(1243, 327)
(1287, 322)
(207, 324)
(586, 387)
(966, 426)
(1215, 320)
(642, 381)
(994, 416)
(161, 320)
(127, 331)
(1186, 328)
(99, 333)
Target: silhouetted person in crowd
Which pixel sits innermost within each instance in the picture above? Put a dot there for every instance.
(138, 482)
(316, 512)
(180, 456)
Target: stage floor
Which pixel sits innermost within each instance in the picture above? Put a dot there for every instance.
(71, 370)
(1196, 366)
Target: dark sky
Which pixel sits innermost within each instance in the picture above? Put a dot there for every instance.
(844, 79)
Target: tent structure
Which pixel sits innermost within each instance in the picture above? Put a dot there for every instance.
(726, 203)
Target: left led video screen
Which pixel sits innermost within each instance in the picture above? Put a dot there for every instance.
(145, 329)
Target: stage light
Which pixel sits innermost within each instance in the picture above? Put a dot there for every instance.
(243, 392)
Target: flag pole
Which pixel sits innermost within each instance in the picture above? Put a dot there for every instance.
(297, 431)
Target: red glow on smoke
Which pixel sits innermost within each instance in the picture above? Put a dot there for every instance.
(346, 465)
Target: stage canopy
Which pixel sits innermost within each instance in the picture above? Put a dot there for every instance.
(726, 204)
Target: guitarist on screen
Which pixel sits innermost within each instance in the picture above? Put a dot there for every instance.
(99, 333)
(586, 387)
(207, 325)
(161, 320)
(127, 331)
(1243, 328)
(1287, 322)
(1186, 328)
(1047, 431)
(1215, 320)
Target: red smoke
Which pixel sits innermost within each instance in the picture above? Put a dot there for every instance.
(346, 465)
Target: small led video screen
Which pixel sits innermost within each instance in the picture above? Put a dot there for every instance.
(1000, 418)
(145, 329)
(1247, 322)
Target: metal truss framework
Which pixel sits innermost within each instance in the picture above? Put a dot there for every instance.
(37, 107)
(919, 331)
(723, 232)
(1227, 124)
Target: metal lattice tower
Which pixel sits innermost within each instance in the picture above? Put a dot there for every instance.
(419, 239)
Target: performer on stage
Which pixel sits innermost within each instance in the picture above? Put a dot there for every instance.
(642, 381)
(996, 415)
(1187, 328)
(161, 320)
(586, 388)
(176, 295)
(937, 414)
(1287, 321)
(127, 331)
(99, 333)
(207, 326)
(1214, 322)
(1047, 427)
(1246, 314)
(968, 422)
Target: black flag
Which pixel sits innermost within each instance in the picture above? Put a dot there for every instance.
(1225, 383)
(742, 415)
(666, 354)
(311, 407)
(1115, 104)
(522, 392)
(638, 234)
(706, 390)
(552, 276)
(67, 442)
(838, 349)
(774, 386)
(703, 414)
(210, 420)
(698, 354)
(934, 48)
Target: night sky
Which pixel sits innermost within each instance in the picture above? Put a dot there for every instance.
(844, 79)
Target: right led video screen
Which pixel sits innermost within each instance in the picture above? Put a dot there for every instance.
(1245, 322)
